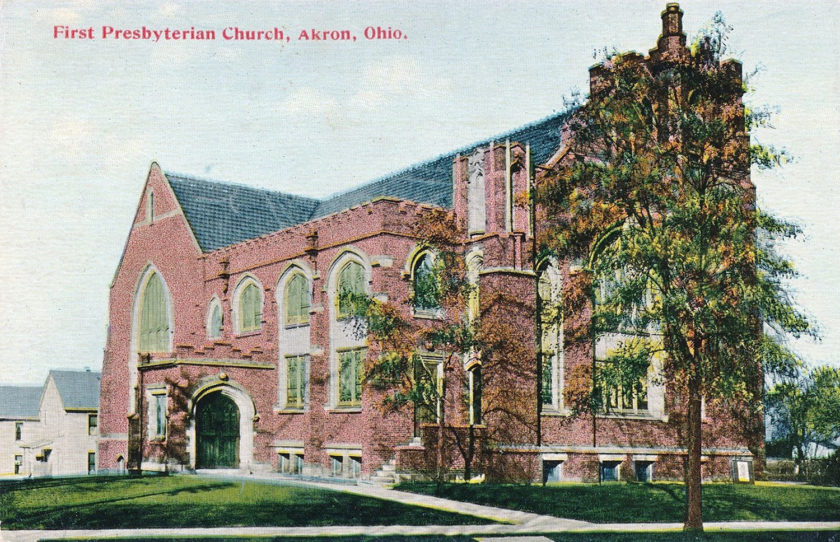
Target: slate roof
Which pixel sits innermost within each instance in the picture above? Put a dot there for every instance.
(19, 401)
(78, 389)
(223, 214)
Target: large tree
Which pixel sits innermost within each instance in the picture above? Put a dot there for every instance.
(653, 198)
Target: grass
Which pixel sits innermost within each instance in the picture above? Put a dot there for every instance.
(657, 502)
(730, 536)
(190, 501)
(738, 536)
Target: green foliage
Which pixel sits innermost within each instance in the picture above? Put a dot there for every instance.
(655, 196)
(191, 501)
(659, 502)
(805, 410)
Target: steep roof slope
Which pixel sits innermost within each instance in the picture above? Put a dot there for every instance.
(78, 389)
(222, 214)
(19, 401)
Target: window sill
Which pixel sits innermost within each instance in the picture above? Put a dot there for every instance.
(555, 412)
(630, 415)
(352, 409)
(428, 315)
(249, 333)
(296, 326)
(290, 410)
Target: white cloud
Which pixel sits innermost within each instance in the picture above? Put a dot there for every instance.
(393, 77)
(308, 101)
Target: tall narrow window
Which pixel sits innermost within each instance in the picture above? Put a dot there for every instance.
(91, 462)
(214, 320)
(425, 283)
(550, 335)
(150, 208)
(350, 375)
(250, 308)
(93, 424)
(475, 383)
(18, 430)
(158, 415)
(296, 380)
(154, 319)
(351, 281)
(297, 300)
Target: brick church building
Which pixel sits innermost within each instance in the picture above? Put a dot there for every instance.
(228, 346)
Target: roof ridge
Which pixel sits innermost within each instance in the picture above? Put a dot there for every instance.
(186, 177)
(443, 155)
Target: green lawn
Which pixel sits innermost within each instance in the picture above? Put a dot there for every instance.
(190, 501)
(659, 502)
(741, 536)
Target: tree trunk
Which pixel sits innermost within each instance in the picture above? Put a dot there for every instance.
(693, 486)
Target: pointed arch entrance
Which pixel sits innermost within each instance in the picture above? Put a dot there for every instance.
(221, 429)
(217, 432)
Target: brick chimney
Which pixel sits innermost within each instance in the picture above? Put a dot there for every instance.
(671, 43)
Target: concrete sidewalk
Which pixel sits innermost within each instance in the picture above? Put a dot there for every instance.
(513, 522)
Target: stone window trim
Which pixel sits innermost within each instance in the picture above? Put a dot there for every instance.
(426, 257)
(345, 462)
(248, 321)
(302, 389)
(351, 277)
(153, 319)
(158, 420)
(215, 322)
(297, 299)
(550, 285)
(353, 359)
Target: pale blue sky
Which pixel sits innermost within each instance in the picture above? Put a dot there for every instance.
(82, 120)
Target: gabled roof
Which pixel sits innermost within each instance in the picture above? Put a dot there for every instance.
(222, 214)
(19, 401)
(77, 389)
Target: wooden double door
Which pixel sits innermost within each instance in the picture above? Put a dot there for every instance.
(217, 431)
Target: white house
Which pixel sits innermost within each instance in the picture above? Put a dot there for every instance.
(61, 435)
(18, 425)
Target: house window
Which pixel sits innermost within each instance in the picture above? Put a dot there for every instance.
(157, 415)
(425, 285)
(18, 463)
(609, 471)
(644, 470)
(297, 371)
(351, 282)
(550, 335)
(350, 375)
(154, 318)
(91, 462)
(297, 300)
(214, 320)
(337, 465)
(93, 424)
(475, 384)
(291, 462)
(552, 471)
(250, 308)
(18, 430)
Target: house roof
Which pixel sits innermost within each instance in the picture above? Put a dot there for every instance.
(19, 401)
(78, 389)
(222, 214)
